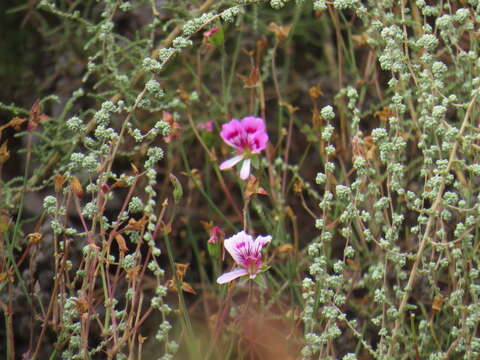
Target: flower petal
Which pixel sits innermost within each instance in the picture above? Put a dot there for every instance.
(236, 244)
(245, 170)
(231, 275)
(232, 133)
(227, 164)
(258, 141)
(261, 241)
(252, 124)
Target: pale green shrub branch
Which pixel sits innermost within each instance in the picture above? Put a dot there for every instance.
(426, 235)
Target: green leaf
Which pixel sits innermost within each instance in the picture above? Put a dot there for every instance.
(217, 38)
(177, 188)
(261, 281)
(214, 249)
(255, 161)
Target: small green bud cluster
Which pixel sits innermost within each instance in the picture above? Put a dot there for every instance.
(277, 4)
(194, 25)
(154, 155)
(319, 5)
(230, 14)
(345, 4)
(151, 65)
(154, 88)
(75, 125)
(181, 42)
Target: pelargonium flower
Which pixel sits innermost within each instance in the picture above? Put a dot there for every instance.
(247, 253)
(206, 126)
(210, 32)
(248, 136)
(215, 234)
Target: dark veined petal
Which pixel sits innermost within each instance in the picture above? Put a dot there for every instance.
(252, 124)
(232, 133)
(258, 141)
(236, 244)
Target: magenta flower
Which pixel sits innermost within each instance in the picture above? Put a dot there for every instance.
(215, 234)
(210, 32)
(247, 254)
(248, 136)
(206, 126)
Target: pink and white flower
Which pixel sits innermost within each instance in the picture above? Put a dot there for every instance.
(248, 136)
(247, 253)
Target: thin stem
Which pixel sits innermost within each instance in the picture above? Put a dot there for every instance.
(11, 245)
(215, 165)
(183, 308)
(205, 195)
(286, 153)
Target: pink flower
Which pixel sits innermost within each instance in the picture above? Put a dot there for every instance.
(210, 32)
(248, 136)
(206, 126)
(215, 234)
(247, 254)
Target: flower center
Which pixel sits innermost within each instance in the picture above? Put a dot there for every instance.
(251, 264)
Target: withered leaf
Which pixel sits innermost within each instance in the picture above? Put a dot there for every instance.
(34, 238)
(253, 188)
(76, 187)
(136, 225)
(4, 153)
(58, 182)
(175, 128)
(384, 114)
(291, 109)
(141, 339)
(122, 244)
(81, 305)
(15, 123)
(315, 92)
(298, 186)
(252, 80)
(437, 303)
(181, 270)
(3, 276)
(188, 288)
(360, 39)
(353, 264)
(134, 168)
(133, 272)
(285, 249)
(281, 32)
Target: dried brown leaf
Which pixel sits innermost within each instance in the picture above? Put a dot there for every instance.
(136, 225)
(122, 244)
(58, 182)
(281, 32)
(315, 92)
(4, 153)
(188, 288)
(437, 303)
(252, 80)
(76, 187)
(34, 238)
(286, 249)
